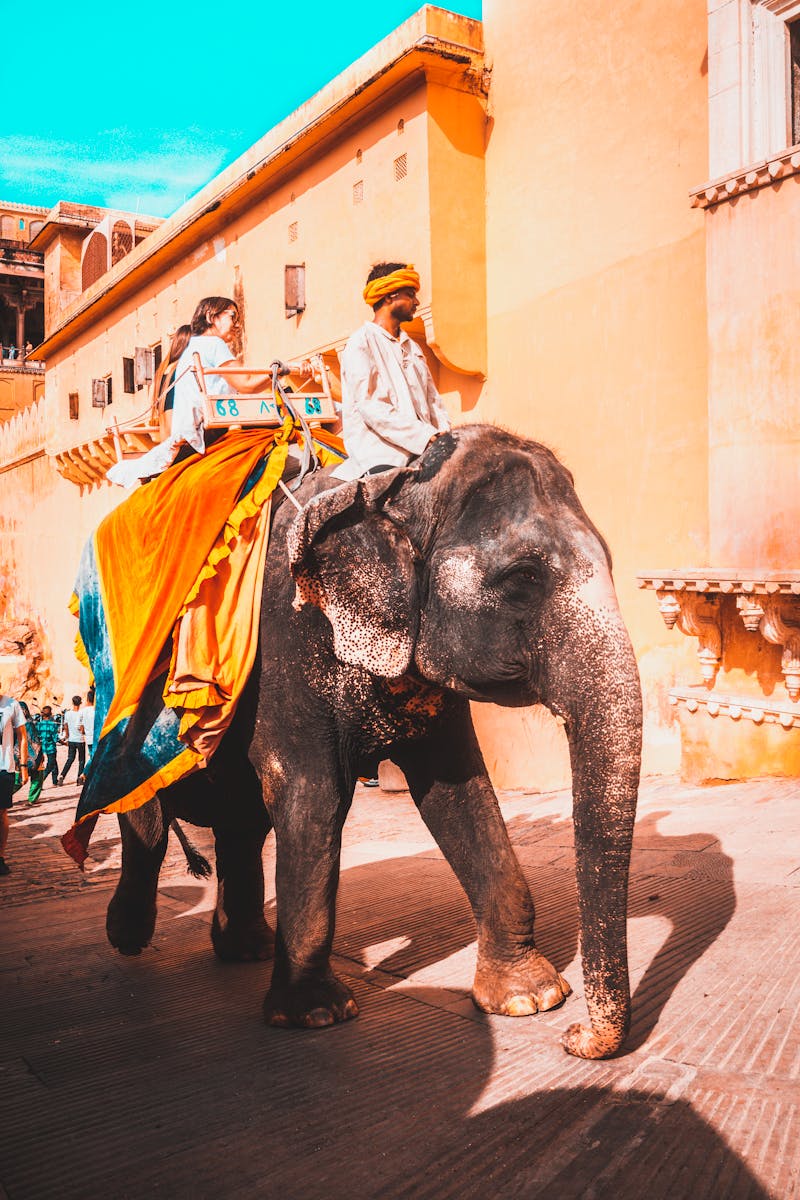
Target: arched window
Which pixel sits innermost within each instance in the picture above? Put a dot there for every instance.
(34, 228)
(121, 241)
(7, 227)
(95, 260)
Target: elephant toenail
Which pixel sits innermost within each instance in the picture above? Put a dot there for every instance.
(521, 1006)
(318, 1018)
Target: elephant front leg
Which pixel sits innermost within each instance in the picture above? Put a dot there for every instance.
(304, 991)
(451, 788)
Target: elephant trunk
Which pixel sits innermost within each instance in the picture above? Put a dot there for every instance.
(603, 712)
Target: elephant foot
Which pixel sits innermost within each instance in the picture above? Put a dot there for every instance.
(253, 942)
(519, 989)
(584, 1042)
(129, 926)
(313, 1004)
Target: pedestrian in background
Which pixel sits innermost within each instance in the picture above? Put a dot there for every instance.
(73, 731)
(13, 736)
(48, 730)
(35, 756)
(87, 718)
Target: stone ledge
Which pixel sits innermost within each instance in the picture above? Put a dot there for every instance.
(758, 709)
(747, 179)
(725, 580)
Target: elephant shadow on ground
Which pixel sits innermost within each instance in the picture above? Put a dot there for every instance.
(409, 1101)
(404, 915)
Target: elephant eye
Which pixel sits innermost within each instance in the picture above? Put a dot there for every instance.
(524, 573)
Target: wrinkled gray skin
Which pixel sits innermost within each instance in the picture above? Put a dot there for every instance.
(389, 604)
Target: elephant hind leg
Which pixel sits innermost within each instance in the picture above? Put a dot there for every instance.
(131, 915)
(239, 930)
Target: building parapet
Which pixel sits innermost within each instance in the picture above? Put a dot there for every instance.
(24, 437)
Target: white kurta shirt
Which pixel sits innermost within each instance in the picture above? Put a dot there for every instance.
(11, 718)
(390, 406)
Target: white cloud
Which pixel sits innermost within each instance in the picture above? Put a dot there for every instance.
(119, 169)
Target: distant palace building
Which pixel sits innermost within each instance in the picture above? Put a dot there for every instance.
(21, 307)
(604, 208)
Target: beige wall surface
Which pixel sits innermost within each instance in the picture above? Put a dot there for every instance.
(18, 390)
(754, 400)
(44, 522)
(596, 290)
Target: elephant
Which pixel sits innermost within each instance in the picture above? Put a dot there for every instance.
(390, 603)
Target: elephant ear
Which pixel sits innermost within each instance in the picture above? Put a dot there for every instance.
(356, 565)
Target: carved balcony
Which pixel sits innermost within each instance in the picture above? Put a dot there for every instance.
(707, 604)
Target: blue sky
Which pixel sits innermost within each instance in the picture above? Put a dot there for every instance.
(137, 106)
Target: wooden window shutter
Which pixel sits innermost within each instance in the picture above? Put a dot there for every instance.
(99, 393)
(128, 383)
(143, 366)
(295, 289)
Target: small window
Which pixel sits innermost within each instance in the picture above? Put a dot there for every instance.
(22, 222)
(401, 125)
(359, 156)
(128, 385)
(358, 191)
(73, 406)
(293, 231)
(295, 289)
(401, 166)
(794, 53)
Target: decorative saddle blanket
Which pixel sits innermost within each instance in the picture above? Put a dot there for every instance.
(168, 599)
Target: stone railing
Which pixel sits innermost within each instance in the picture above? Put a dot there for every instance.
(24, 436)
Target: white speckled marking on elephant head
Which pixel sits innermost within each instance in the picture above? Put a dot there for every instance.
(457, 580)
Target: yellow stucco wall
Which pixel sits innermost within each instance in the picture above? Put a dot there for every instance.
(596, 295)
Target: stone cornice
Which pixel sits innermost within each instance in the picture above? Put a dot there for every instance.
(748, 179)
(727, 581)
(759, 710)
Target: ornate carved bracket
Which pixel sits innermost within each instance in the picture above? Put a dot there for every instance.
(778, 627)
(698, 616)
(768, 603)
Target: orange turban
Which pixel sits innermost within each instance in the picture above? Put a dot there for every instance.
(376, 289)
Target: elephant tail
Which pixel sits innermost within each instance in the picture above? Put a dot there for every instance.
(197, 864)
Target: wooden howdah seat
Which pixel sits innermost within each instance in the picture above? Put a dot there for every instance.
(312, 395)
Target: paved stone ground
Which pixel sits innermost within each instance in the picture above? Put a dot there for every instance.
(155, 1076)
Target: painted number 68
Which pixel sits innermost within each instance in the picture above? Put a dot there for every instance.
(226, 408)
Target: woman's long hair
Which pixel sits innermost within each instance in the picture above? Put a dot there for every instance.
(207, 310)
(162, 384)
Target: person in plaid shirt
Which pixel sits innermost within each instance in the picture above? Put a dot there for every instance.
(48, 730)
